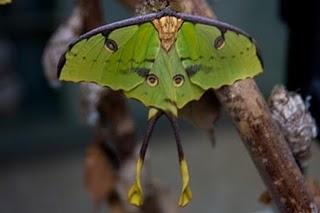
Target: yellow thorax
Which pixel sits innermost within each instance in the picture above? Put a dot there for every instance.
(167, 27)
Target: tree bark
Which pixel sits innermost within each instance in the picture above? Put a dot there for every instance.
(267, 146)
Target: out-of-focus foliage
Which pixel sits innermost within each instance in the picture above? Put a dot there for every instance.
(5, 1)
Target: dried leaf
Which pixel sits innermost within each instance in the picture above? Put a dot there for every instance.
(58, 44)
(99, 173)
(90, 96)
(203, 113)
(295, 121)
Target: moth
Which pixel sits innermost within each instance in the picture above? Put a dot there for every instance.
(164, 60)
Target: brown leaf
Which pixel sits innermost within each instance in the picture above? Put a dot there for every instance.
(58, 44)
(203, 113)
(99, 173)
(291, 114)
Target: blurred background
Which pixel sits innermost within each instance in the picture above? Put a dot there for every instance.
(42, 138)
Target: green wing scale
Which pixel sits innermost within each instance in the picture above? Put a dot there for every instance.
(216, 57)
(164, 60)
(112, 61)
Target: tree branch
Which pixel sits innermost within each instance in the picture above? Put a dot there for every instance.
(267, 146)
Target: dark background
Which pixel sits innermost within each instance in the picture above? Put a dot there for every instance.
(42, 138)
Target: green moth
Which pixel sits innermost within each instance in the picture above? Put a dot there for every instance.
(164, 60)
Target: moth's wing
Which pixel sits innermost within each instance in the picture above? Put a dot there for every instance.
(215, 54)
(118, 58)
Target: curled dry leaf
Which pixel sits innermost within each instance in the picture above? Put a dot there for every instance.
(295, 121)
(5, 1)
(58, 44)
(102, 107)
(203, 113)
(99, 174)
(90, 96)
(114, 113)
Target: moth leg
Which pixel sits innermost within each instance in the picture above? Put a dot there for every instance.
(186, 194)
(135, 194)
